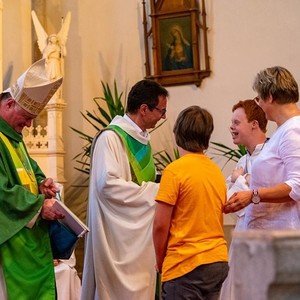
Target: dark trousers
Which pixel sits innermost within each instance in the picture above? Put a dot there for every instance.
(202, 283)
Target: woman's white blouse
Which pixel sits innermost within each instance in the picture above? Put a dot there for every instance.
(278, 162)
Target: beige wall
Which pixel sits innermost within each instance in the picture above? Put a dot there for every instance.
(106, 42)
(16, 39)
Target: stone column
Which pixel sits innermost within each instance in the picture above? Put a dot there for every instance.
(267, 265)
(56, 151)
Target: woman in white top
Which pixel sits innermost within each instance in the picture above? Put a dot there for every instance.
(275, 181)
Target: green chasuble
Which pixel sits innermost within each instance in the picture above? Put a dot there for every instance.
(139, 156)
(25, 253)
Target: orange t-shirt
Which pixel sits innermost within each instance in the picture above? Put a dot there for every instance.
(196, 187)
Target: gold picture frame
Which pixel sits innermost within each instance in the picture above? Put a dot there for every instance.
(178, 40)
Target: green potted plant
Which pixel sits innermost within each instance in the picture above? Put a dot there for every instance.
(108, 106)
(163, 158)
(227, 152)
(99, 120)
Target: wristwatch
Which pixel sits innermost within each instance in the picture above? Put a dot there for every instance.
(255, 197)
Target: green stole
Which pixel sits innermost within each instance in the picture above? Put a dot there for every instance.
(26, 258)
(142, 166)
(139, 156)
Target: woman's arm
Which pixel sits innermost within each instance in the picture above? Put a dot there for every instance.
(276, 194)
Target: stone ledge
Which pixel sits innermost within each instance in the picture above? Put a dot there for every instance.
(266, 264)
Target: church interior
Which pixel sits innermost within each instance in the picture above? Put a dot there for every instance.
(105, 42)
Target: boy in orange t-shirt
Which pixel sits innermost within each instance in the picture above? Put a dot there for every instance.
(191, 251)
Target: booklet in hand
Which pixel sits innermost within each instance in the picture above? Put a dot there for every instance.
(70, 220)
(65, 233)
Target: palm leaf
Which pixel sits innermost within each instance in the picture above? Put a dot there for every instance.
(227, 152)
(99, 119)
(163, 158)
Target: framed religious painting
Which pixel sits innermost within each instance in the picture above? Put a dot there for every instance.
(178, 39)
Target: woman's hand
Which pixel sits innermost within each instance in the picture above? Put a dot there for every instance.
(238, 201)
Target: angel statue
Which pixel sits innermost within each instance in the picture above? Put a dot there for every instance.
(53, 47)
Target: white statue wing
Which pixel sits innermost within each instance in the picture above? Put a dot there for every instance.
(63, 33)
(40, 32)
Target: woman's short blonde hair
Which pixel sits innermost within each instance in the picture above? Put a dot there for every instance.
(277, 82)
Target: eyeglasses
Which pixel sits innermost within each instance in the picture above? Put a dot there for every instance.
(256, 99)
(163, 111)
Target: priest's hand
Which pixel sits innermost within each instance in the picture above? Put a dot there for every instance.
(49, 212)
(48, 188)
